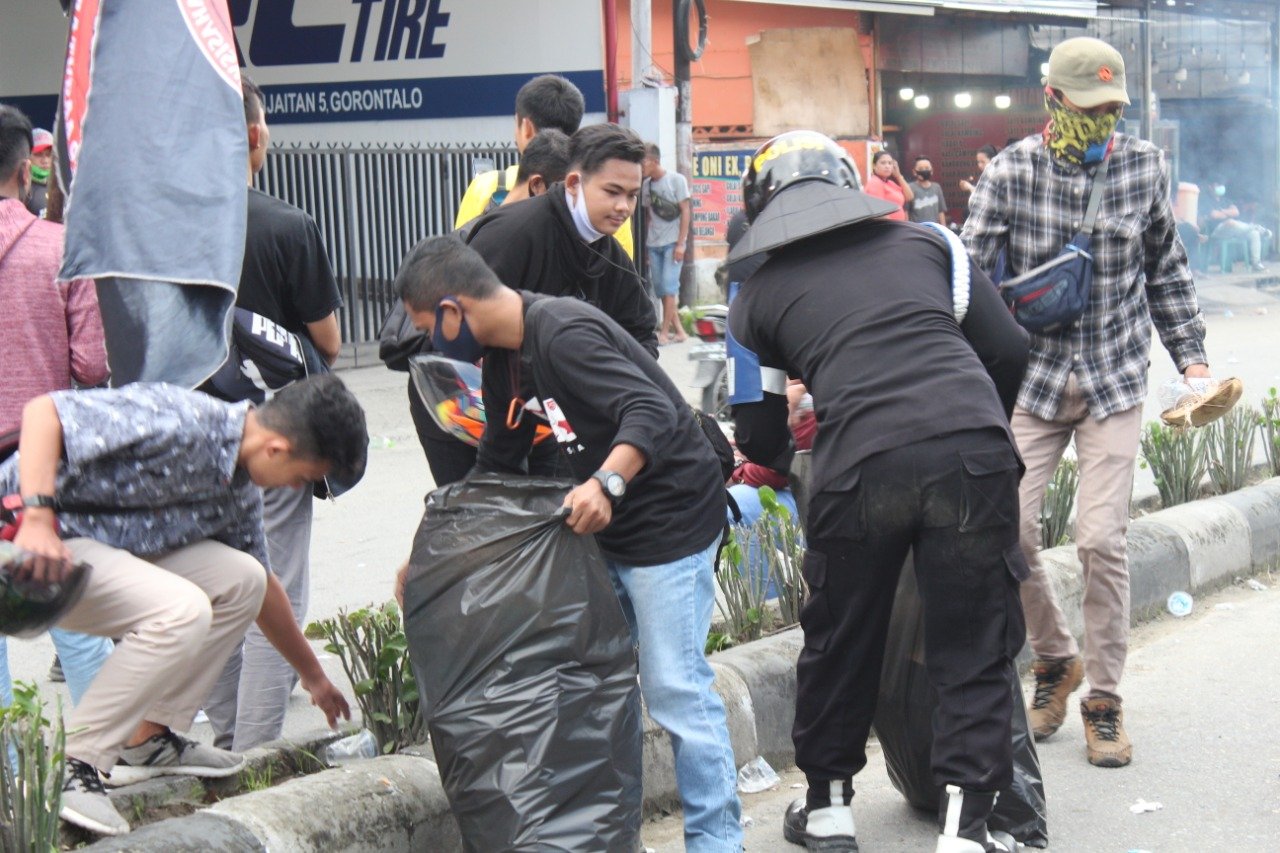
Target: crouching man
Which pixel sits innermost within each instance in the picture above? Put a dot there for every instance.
(159, 490)
(913, 364)
(651, 490)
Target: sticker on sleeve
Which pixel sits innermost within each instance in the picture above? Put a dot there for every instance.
(559, 423)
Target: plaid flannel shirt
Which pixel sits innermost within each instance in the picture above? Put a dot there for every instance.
(1030, 206)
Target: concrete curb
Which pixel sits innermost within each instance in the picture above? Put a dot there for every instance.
(396, 803)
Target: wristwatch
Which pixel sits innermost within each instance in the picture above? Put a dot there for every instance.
(16, 502)
(612, 483)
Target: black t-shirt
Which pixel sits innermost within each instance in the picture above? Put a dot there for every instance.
(610, 391)
(286, 275)
(865, 316)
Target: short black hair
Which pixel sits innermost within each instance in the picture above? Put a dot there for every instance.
(922, 157)
(547, 154)
(551, 101)
(443, 266)
(15, 140)
(652, 151)
(880, 155)
(324, 422)
(594, 145)
(255, 103)
(988, 149)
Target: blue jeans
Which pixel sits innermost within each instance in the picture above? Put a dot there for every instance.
(748, 500)
(664, 272)
(82, 656)
(668, 608)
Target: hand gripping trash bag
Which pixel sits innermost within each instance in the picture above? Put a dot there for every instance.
(904, 727)
(526, 670)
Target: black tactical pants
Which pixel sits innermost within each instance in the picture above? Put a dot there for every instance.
(953, 502)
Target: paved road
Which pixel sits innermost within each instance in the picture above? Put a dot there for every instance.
(359, 540)
(1201, 698)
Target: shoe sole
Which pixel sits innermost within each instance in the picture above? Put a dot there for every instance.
(127, 775)
(832, 844)
(75, 818)
(1110, 762)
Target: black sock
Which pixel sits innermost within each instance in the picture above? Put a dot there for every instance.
(819, 793)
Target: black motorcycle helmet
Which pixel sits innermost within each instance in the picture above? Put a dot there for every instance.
(27, 608)
(790, 158)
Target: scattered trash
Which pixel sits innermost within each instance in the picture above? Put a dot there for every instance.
(748, 821)
(1143, 806)
(650, 850)
(1256, 585)
(1180, 604)
(201, 717)
(1226, 605)
(797, 785)
(360, 745)
(1228, 313)
(756, 776)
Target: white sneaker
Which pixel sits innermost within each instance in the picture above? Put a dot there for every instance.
(85, 802)
(169, 754)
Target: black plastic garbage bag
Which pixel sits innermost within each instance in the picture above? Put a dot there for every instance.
(904, 727)
(526, 670)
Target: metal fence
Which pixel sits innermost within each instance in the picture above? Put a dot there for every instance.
(372, 205)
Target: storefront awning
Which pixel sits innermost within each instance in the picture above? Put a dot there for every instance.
(1055, 8)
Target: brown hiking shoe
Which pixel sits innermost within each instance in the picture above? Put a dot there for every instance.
(1056, 680)
(1108, 745)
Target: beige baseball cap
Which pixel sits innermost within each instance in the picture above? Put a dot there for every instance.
(1088, 71)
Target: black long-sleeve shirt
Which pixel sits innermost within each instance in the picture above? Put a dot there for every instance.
(599, 388)
(534, 246)
(864, 316)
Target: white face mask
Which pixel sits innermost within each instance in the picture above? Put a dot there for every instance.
(581, 219)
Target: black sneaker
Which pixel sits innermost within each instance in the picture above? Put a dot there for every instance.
(169, 754)
(795, 828)
(85, 802)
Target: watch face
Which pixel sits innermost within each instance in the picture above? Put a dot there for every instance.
(616, 485)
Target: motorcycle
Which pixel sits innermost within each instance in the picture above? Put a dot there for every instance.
(711, 376)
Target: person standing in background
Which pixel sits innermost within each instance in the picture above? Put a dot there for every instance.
(666, 200)
(929, 204)
(886, 182)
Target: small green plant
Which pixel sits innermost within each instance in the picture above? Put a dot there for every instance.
(717, 642)
(374, 652)
(782, 542)
(1059, 501)
(1177, 459)
(257, 778)
(1271, 430)
(743, 599)
(32, 765)
(1229, 442)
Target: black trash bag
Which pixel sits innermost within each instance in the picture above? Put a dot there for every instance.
(904, 727)
(526, 671)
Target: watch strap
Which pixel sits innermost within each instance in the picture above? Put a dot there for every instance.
(17, 502)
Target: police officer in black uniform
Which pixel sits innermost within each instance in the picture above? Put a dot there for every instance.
(914, 367)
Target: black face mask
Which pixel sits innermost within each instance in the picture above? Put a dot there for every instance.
(924, 174)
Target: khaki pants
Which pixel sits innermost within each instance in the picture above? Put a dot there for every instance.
(179, 617)
(1106, 450)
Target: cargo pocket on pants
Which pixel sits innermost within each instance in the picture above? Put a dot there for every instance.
(988, 489)
(815, 616)
(1016, 625)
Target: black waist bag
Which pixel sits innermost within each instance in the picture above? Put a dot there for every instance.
(526, 670)
(1056, 293)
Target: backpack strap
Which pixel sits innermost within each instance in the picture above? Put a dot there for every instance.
(959, 270)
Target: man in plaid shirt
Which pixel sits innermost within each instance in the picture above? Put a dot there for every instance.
(1088, 380)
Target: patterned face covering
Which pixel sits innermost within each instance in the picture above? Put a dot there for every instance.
(1077, 137)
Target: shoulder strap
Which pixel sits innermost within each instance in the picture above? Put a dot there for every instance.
(1095, 196)
(959, 270)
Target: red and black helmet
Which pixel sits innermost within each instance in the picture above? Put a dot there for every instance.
(789, 159)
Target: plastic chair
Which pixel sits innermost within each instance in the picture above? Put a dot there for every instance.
(1230, 250)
